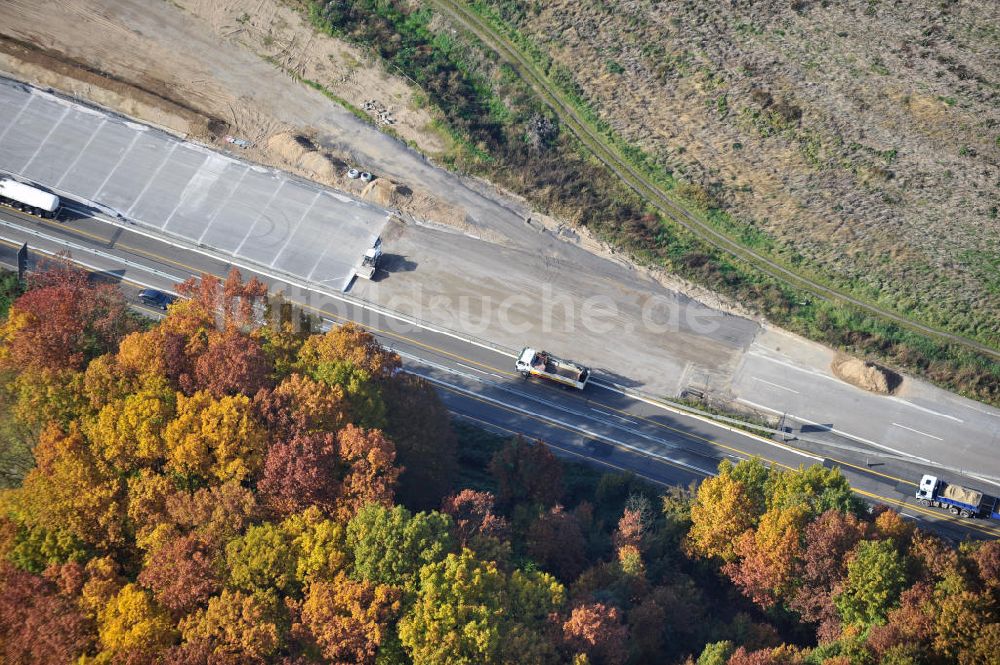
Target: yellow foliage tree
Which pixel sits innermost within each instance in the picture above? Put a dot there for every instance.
(720, 514)
(348, 344)
(128, 433)
(132, 620)
(214, 438)
(73, 489)
(240, 625)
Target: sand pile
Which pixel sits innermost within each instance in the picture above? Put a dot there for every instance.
(386, 193)
(303, 156)
(866, 375)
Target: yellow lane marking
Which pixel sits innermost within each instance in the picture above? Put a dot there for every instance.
(944, 515)
(682, 433)
(92, 236)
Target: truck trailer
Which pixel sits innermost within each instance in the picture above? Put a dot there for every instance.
(546, 366)
(959, 501)
(28, 199)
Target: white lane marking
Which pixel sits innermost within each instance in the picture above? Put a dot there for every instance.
(88, 250)
(836, 431)
(612, 415)
(912, 517)
(153, 178)
(552, 405)
(125, 152)
(17, 116)
(925, 409)
(263, 211)
(481, 371)
(24, 169)
(297, 225)
(208, 223)
(795, 367)
(919, 432)
(776, 385)
(97, 130)
(583, 430)
(90, 266)
(687, 414)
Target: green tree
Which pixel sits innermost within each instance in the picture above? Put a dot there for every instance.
(816, 487)
(390, 545)
(458, 615)
(262, 559)
(876, 574)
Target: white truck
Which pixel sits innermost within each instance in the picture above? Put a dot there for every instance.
(28, 199)
(369, 262)
(546, 366)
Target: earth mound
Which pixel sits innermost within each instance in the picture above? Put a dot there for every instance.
(866, 375)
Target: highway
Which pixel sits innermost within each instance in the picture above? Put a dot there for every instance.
(603, 424)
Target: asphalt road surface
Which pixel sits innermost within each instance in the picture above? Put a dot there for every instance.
(601, 424)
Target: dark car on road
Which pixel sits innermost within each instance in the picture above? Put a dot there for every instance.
(154, 298)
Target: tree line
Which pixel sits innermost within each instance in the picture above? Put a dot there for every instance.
(224, 487)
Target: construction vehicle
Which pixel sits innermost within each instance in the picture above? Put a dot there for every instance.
(369, 262)
(959, 501)
(28, 199)
(546, 366)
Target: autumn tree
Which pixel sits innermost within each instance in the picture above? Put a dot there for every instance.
(38, 624)
(237, 625)
(816, 487)
(556, 541)
(131, 620)
(63, 320)
(72, 489)
(128, 433)
(823, 564)
(317, 543)
(235, 303)
(301, 405)
(720, 513)
(261, 559)
(233, 364)
(182, 573)
(767, 556)
(527, 471)
(301, 472)
(458, 613)
(371, 472)
(214, 438)
(473, 517)
(596, 629)
(218, 513)
(349, 619)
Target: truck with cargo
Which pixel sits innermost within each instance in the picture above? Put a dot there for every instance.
(546, 366)
(959, 501)
(28, 199)
(369, 261)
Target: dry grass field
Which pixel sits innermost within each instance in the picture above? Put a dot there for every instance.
(859, 141)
